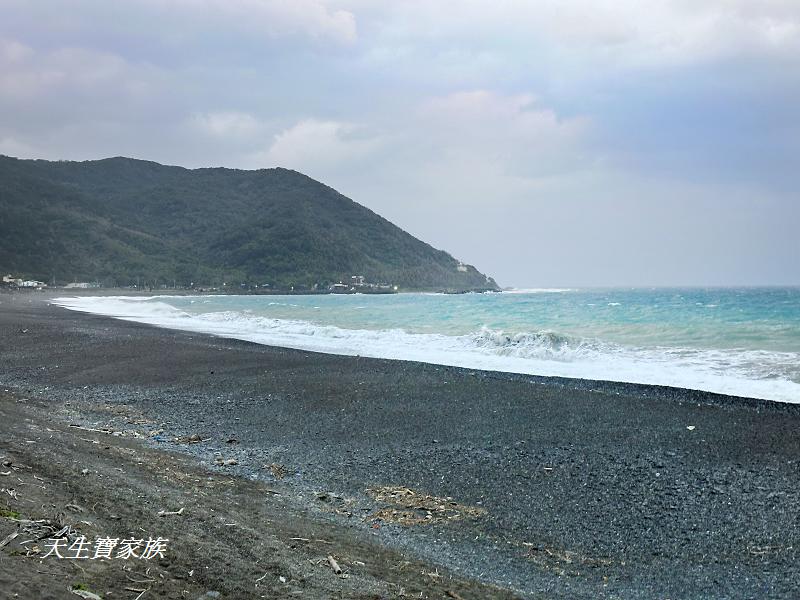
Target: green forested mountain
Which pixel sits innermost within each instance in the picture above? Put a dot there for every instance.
(118, 220)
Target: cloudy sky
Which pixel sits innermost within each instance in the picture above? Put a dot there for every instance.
(548, 142)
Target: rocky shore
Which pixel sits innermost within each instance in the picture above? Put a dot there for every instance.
(480, 485)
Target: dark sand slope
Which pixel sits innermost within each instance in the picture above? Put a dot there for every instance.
(589, 490)
(234, 537)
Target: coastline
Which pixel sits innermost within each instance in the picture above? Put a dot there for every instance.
(511, 336)
(590, 488)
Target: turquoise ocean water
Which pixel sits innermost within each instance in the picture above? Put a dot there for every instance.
(736, 341)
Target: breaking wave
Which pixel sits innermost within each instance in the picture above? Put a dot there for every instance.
(757, 374)
(546, 345)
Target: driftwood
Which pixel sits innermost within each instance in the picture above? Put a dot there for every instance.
(169, 513)
(309, 540)
(8, 539)
(106, 431)
(334, 565)
(86, 595)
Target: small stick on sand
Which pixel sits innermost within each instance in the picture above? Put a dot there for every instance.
(90, 429)
(169, 513)
(300, 539)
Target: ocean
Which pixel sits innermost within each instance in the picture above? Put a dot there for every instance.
(743, 342)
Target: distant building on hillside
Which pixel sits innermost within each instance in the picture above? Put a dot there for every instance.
(17, 282)
(80, 286)
(461, 267)
(359, 285)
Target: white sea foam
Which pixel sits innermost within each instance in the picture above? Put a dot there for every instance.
(537, 290)
(732, 372)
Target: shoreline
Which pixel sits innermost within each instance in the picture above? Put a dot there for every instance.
(656, 390)
(661, 509)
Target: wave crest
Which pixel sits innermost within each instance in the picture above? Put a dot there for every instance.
(546, 344)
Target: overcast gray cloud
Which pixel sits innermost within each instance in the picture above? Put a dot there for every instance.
(557, 142)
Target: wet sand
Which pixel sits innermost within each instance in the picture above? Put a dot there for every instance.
(562, 488)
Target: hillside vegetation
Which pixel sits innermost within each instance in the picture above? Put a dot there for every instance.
(121, 220)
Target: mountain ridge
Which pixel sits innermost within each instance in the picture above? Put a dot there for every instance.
(121, 220)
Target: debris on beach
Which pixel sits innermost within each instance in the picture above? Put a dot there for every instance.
(226, 462)
(106, 430)
(336, 504)
(86, 594)
(194, 438)
(334, 565)
(309, 540)
(278, 471)
(562, 562)
(39, 529)
(406, 507)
